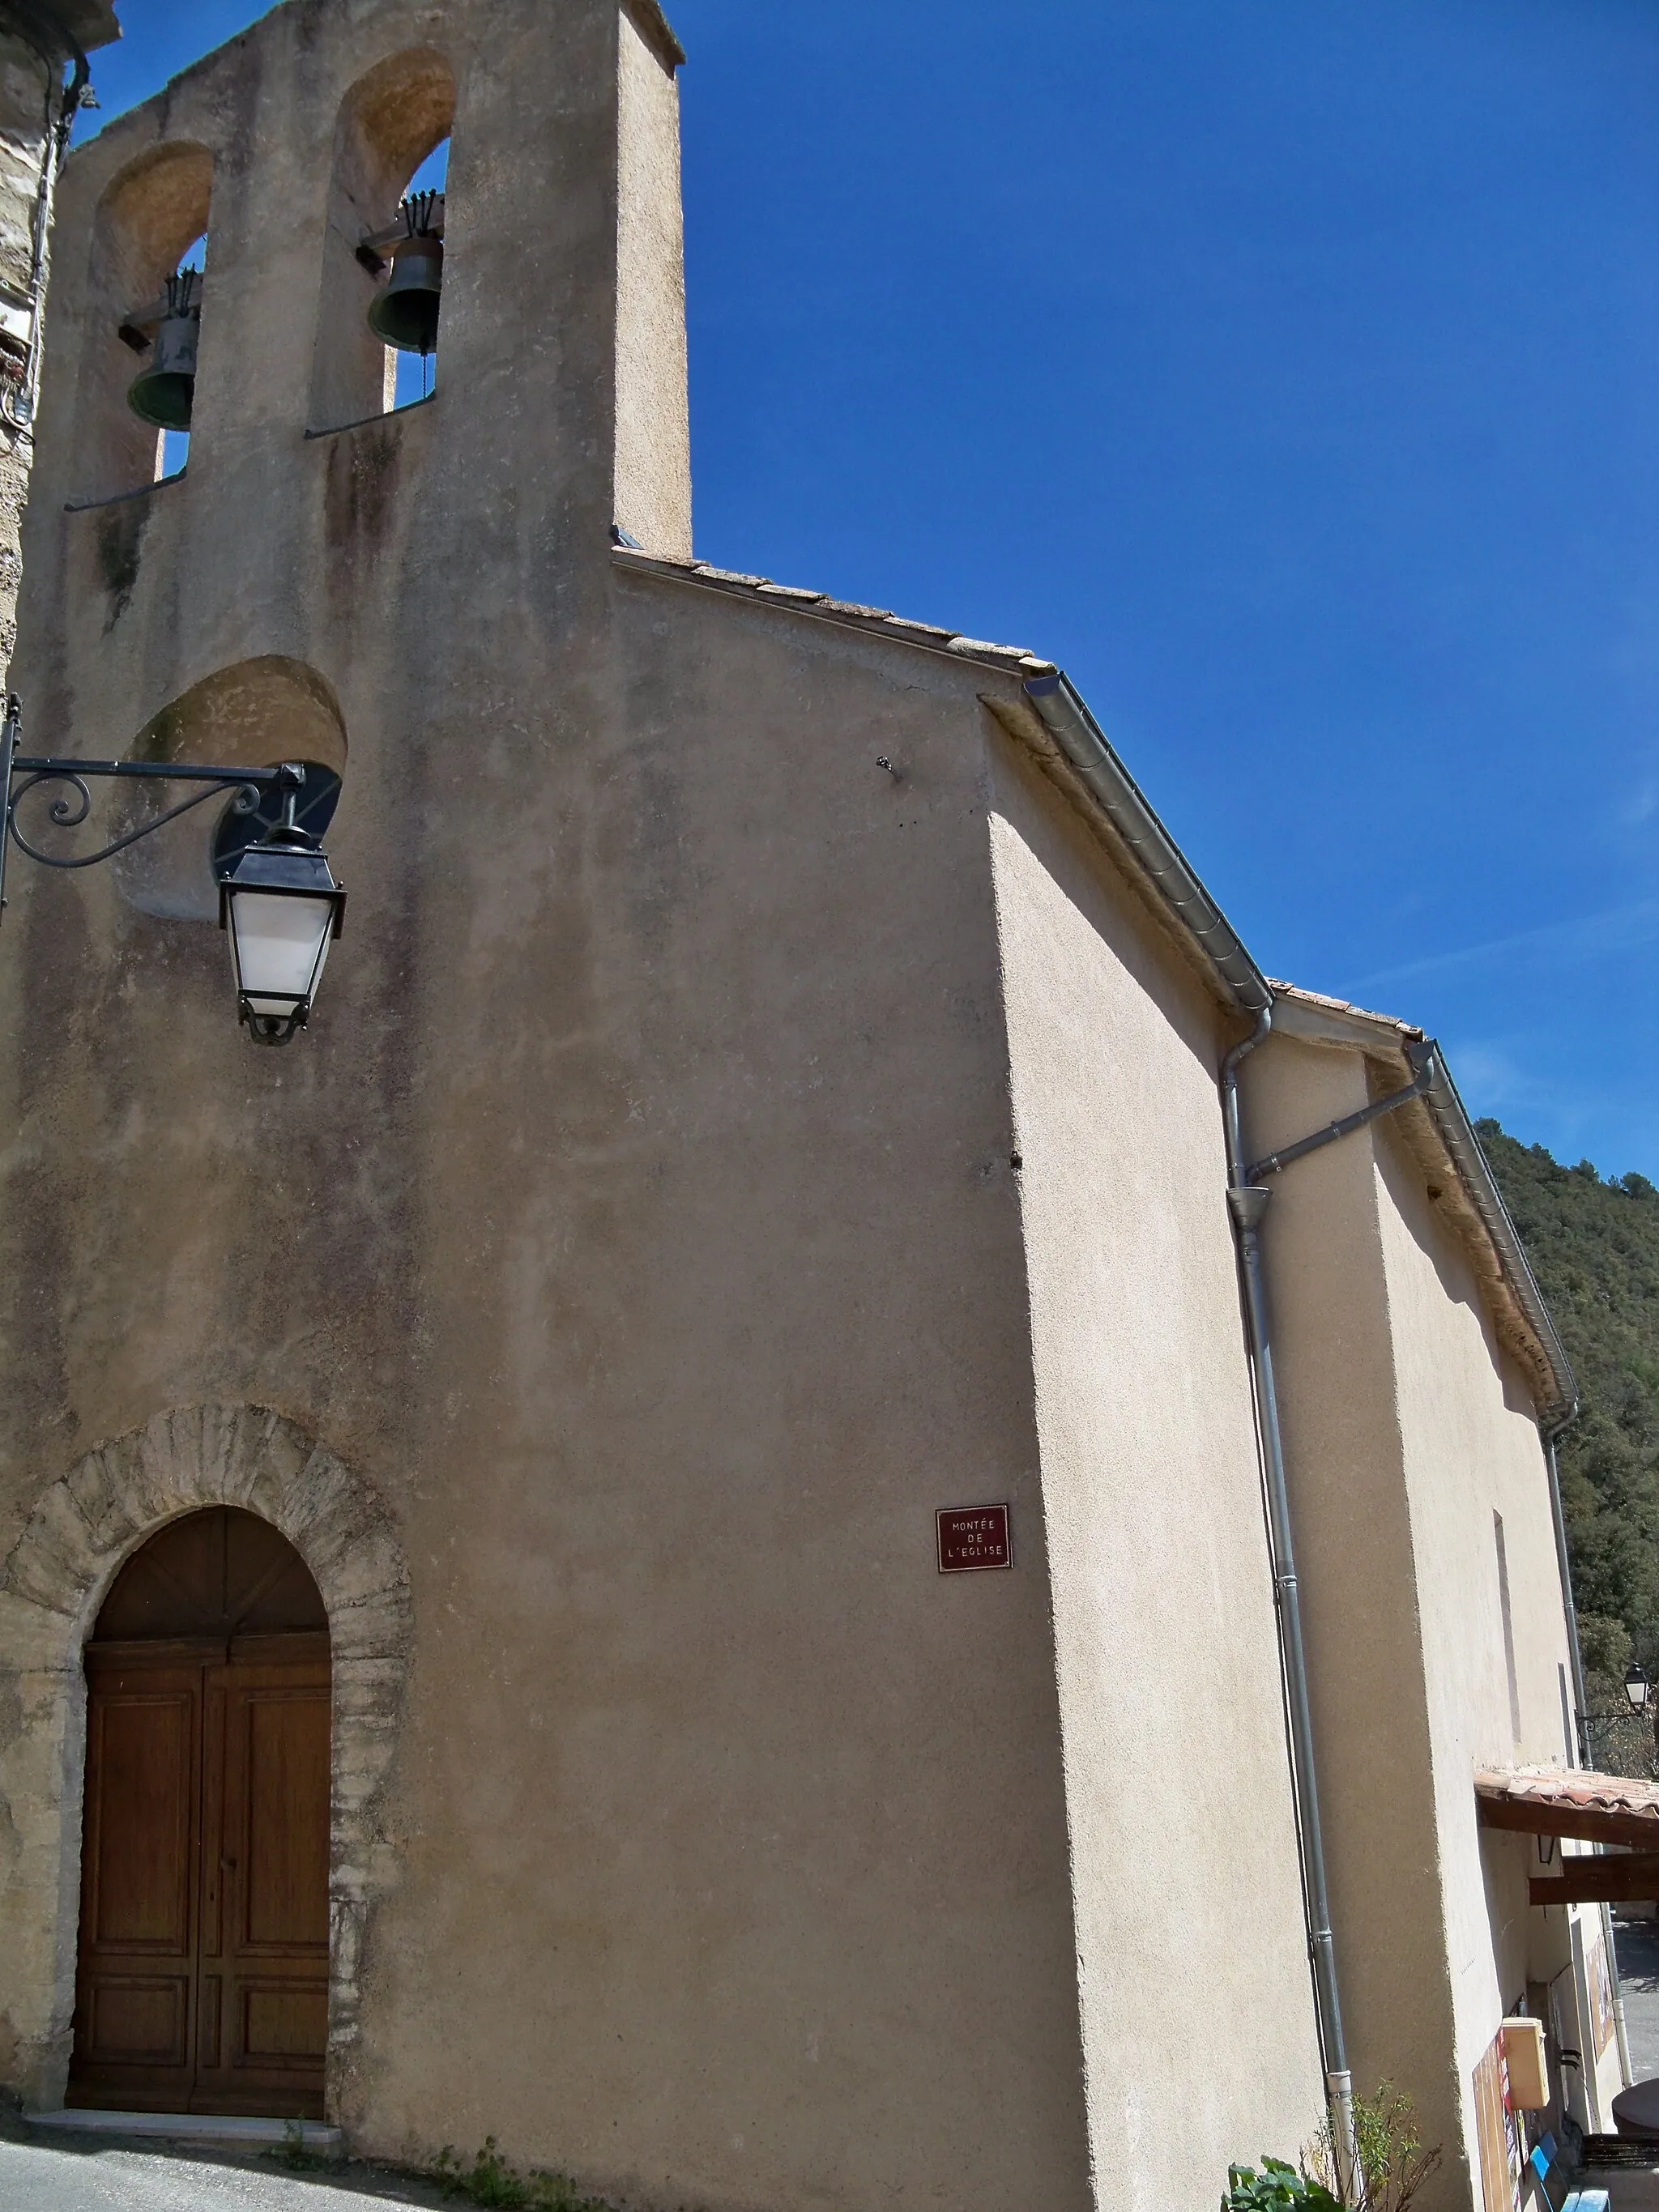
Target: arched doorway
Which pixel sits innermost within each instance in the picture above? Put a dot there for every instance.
(202, 1980)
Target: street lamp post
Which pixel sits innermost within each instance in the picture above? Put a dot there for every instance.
(1639, 1704)
(278, 903)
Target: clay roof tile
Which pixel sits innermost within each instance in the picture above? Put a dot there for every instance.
(823, 608)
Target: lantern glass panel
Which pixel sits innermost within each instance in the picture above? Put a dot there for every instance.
(280, 941)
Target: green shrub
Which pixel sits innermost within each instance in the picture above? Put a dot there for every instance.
(1277, 2188)
(294, 2153)
(490, 2180)
(1393, 2163)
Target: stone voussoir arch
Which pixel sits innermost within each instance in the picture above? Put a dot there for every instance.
(82, 1529)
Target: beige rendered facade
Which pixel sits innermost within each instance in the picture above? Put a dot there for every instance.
(1438, 1643)
(764, 1096)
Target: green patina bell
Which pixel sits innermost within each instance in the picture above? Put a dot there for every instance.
(164, 391)
(404, 314)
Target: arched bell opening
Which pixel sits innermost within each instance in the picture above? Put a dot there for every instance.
(380, 310)
(255, 714)
(202, 1969)
(144, 319)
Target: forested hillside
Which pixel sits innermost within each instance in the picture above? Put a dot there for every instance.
(1594, 1249)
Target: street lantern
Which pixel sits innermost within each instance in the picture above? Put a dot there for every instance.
(278, 900)
(1638, 1688)
(282, 909)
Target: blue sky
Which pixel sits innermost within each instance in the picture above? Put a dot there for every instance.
(1287, 368)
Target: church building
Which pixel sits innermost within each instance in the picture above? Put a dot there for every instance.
(736, 1507)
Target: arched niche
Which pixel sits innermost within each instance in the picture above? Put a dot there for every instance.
(254, 714)
(149, 213)
(392, 119)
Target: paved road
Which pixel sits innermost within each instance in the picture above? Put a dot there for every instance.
(1637, 1942)
(48, 2178)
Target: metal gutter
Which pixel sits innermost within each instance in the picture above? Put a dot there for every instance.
(1084, 743)
(1067, 720)
(1452, 1120)
(1065, 716)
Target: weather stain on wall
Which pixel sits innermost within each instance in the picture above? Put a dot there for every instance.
(120, 552)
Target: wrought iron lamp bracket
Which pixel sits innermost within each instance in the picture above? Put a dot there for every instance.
(21, 773)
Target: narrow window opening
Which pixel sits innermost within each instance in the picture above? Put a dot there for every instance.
(1508, 1627)
(1568, 1732)
(173, 447)
(412, 377)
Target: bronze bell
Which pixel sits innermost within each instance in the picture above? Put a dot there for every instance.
(404, 314)
(164, 391)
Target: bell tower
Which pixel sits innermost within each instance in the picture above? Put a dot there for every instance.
(550, 274)
(248, 544)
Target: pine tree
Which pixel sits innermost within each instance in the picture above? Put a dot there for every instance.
(1594, 1245)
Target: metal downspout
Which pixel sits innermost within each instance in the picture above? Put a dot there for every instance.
(1580, 1701)
(1064, 712)
(1066, 715)
(1248, 1203)
(1580, 1714)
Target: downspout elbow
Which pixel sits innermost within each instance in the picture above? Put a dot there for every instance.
(1229, 1067)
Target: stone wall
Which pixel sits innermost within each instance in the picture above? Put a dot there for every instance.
(31, 104)
(83, 1528)
(25, 86)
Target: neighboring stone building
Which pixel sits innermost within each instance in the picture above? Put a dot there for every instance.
(474, 1659)
(43, 48)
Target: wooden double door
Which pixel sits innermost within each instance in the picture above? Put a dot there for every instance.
(202, 1972)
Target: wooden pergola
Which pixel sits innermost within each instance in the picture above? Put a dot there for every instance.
(1595, 1808)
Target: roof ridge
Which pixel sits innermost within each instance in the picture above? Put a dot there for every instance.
(1285, 989)
(1112, 788)
(823, 607)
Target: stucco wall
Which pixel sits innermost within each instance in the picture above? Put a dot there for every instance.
(751, 1306)
(667, 1283)
(639, 1222)
(1471, 1454)
(1330, 1323)
(636, 1217)
(653, 425)
(1408, 1427)
(1196, 2001)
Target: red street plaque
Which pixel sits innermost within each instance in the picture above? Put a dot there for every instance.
(972, 1538)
